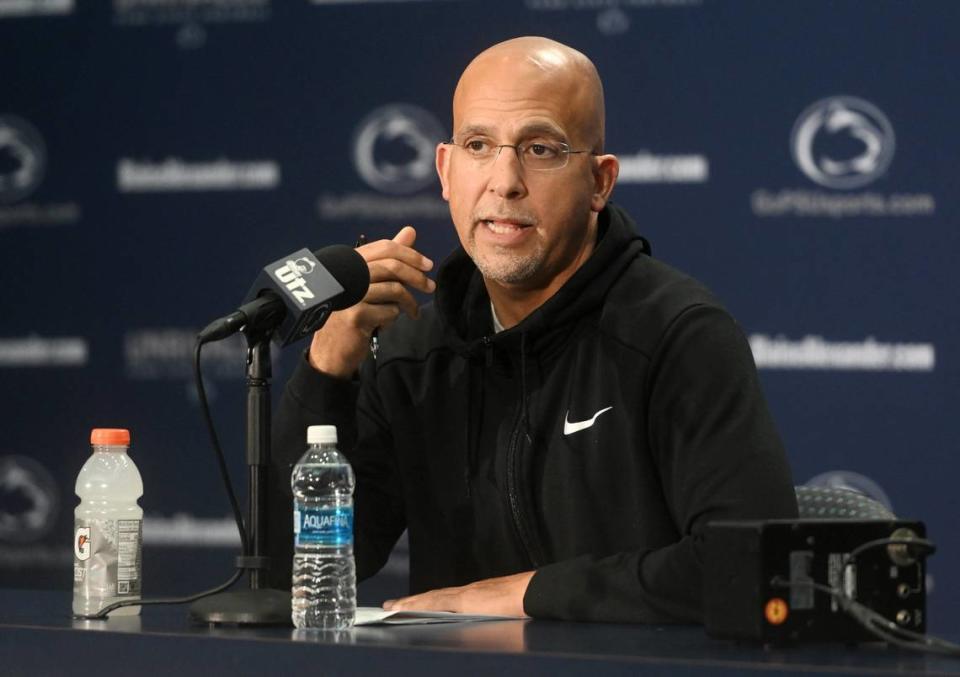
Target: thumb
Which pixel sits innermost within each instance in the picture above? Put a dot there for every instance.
(407, 236)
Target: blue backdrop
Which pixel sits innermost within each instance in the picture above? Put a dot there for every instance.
(799, 157)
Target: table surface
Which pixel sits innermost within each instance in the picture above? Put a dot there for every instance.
(38, 637)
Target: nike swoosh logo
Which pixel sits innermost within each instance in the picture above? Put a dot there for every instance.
(574, 427)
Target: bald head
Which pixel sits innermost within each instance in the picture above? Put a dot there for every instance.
(520, 106)
(524, 68)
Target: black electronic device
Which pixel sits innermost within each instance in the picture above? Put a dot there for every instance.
(792, 580)
(293, 296)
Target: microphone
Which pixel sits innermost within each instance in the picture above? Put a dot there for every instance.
(295, 295)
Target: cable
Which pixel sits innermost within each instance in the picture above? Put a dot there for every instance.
(214, 440)
(882, 626)
(928, 546)
(873, 622)
(163, 600)
(225, 474)
(887, 630)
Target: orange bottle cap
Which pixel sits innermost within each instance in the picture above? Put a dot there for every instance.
(110, 437)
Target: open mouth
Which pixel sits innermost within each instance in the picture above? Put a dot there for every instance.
(503, 227)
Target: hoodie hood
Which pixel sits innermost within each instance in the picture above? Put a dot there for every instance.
(464, 305)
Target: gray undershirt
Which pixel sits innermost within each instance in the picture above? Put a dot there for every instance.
(497, 326)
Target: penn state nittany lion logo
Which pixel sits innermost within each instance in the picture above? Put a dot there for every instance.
(23, 159)
(842, 142)
(393, 149)
(29, 499)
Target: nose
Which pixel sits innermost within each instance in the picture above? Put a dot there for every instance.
(506, 175)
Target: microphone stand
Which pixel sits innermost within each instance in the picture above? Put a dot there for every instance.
(257, 605)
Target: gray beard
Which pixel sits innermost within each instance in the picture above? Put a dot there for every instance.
(509, 269)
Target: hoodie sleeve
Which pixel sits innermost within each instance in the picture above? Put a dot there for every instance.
(313, 398)
(719, 457)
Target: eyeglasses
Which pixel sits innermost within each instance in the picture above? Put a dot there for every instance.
(535, 155)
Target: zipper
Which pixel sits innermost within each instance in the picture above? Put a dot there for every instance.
(527, 540)
(516, 510)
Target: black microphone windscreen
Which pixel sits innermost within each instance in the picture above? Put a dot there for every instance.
(349, 269)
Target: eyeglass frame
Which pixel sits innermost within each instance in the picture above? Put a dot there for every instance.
(564, 149)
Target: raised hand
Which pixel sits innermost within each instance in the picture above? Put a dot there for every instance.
(396, 267)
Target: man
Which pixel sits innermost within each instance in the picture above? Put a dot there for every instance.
(558, 427)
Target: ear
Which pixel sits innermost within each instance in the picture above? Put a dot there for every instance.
(443, 169)
(606, 168)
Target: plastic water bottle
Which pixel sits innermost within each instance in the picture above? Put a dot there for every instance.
(108, 527)
(324, 574)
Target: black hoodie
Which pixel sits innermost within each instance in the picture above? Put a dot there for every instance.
(591, 442)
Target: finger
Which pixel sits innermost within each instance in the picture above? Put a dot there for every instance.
(367, 317)
(406, 236)
(393, 292)
(388, 270)
(413, 603)
(391, 249)
(388, 249)
(443, 599)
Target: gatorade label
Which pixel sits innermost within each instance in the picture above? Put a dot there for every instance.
(323, 526)
(106, 558)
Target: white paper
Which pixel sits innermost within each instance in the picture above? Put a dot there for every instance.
(371, 615)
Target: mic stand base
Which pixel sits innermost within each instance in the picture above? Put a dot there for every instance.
(244, 607)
